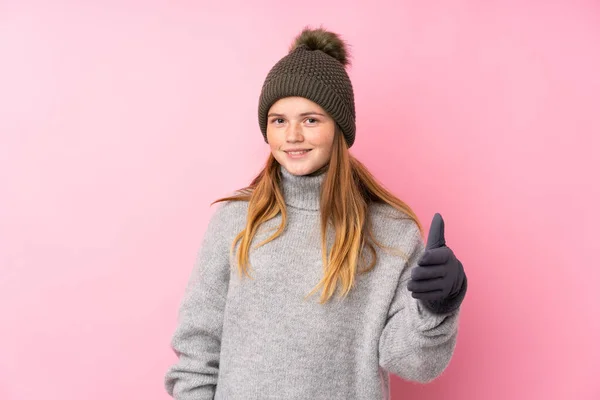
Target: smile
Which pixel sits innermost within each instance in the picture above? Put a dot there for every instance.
(297, 154)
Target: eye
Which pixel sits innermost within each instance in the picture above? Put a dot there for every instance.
(313, 119)
(276, 120)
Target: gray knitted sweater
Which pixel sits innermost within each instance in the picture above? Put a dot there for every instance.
(243, 339)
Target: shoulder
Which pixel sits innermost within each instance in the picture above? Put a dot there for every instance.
(225, 210)
(228, 216)
(394, 226)
(388, 217)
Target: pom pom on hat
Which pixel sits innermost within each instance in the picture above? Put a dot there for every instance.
(328, 42)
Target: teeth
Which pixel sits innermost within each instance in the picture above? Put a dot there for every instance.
(297, 152)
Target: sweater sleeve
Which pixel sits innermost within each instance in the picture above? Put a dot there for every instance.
(197, 337)
(415, 343)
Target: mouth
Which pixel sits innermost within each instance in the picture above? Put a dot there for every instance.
(297, 152)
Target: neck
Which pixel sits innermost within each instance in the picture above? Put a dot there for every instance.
(302, 191)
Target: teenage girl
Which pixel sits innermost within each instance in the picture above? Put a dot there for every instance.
(314, 282)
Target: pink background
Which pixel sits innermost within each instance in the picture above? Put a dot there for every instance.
(121, 121)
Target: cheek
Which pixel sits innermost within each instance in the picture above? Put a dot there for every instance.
(271, 140)
(326, 142)
(323, 139)
(274, 144)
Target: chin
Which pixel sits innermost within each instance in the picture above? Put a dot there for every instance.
(299, 169)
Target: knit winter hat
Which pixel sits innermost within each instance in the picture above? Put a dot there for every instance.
(314, 68)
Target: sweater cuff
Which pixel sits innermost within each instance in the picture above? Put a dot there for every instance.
(448, 305)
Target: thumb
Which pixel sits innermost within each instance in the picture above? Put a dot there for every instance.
(436, 233)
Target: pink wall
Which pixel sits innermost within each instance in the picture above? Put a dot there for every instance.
(120, 122)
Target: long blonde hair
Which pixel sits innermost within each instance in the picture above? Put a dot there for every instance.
(346, 193)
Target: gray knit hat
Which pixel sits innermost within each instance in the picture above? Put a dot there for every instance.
(315, 68)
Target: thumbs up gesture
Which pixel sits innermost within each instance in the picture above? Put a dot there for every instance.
(439, 280)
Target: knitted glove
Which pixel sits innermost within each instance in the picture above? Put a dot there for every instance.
(439, 281)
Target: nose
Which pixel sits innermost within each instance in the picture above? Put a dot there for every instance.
(294, 133)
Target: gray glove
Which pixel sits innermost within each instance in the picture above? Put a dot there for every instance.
(439, 281)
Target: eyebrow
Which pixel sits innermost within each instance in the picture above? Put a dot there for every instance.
(304, 114)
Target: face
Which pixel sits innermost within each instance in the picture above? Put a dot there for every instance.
(300, 134)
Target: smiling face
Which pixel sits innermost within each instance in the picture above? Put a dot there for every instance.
(300, 134)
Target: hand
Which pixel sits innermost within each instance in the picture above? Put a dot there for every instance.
(439, 281)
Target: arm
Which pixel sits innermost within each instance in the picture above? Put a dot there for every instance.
(416, 344)
(197, 338)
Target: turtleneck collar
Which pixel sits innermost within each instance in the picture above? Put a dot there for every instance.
(304, 191)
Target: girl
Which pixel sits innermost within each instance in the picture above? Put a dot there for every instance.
(314, 220)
